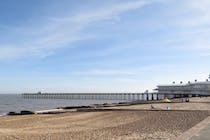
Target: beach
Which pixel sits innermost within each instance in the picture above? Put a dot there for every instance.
(138, 123)
(195, 103)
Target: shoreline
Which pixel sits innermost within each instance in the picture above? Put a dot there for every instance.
(96, 106)
(128, 120)
(64, 109)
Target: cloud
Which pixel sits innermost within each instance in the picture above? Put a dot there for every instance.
(204, 54)
(191, 13)
(100, 72)
(59, 32)
(133, 71)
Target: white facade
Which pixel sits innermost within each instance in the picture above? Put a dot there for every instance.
(197, 88)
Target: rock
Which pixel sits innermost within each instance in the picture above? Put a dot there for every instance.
(26, 112)
(23, 112)
(13, 113)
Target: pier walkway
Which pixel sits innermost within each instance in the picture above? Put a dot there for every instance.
(94, 96)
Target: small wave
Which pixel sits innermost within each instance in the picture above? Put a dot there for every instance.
(49, 110)
(4, 114)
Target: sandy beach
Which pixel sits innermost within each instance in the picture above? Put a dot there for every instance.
(195, 103)
(141, 125)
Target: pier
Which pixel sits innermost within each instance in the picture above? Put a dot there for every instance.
(163, 91)
(95, 96)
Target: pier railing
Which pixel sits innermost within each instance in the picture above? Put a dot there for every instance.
(93, 96)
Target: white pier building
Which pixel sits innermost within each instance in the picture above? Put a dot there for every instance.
(189, 89)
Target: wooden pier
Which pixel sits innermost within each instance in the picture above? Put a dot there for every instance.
(94, 96)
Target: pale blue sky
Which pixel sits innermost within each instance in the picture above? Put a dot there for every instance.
(102, 46)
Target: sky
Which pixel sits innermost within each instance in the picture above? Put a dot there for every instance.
(102, 46)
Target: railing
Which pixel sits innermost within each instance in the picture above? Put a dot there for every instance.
(94, 96)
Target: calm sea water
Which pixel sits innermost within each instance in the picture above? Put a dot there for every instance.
(14, 102)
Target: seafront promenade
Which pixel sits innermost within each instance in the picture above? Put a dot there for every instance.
(203, 134)
(201, 131)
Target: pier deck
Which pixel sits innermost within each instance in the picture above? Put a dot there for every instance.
(93, 96)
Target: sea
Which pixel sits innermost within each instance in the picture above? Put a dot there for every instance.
(15, 102)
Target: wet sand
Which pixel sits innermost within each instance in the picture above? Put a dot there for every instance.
(120, 125)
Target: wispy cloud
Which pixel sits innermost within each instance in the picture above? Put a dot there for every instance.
(58, 32)
(101, 72)
(205, 54)
(200, 11)
(134, 71)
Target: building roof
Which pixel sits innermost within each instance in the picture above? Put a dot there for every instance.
(201, 83)
(194, 83)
